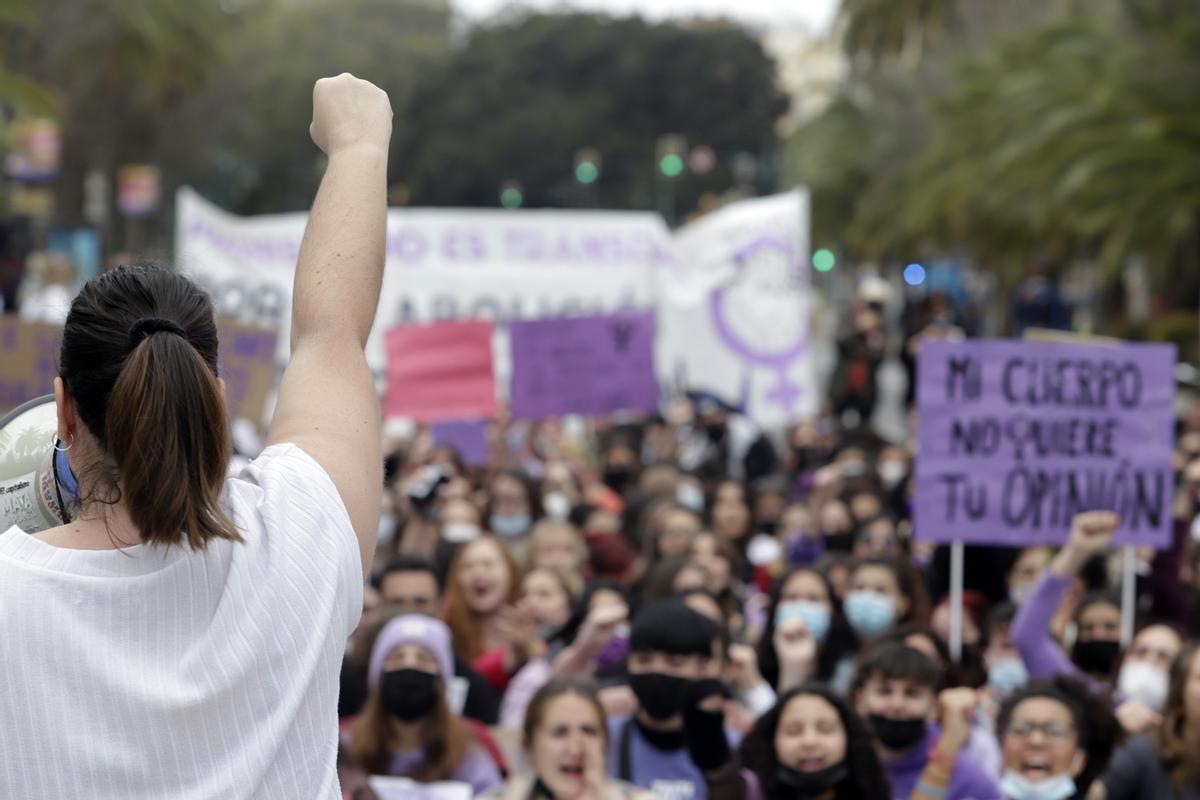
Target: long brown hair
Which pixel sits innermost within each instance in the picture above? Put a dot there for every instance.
(443, 734)
(464, 625)
(139, 360)
(1178, 738)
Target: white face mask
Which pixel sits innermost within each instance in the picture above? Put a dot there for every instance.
(891, 473)
(557, 506)
(459, 532)
(1019, 594)
(1144, 683)
(1016, 786)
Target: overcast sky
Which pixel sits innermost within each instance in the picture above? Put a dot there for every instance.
(816, 14)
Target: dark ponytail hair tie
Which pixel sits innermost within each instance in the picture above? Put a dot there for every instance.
(148, 325)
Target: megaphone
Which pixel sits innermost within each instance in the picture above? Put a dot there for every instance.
(37, 488)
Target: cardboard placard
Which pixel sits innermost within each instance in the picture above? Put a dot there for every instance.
(1017, 437)
(583, 365)
(440, 372)
(29, 364)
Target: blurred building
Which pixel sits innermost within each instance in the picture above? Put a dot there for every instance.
(811, 67)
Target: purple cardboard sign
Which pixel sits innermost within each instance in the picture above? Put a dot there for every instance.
(1017, 437)
(467, 437)
(583, 365)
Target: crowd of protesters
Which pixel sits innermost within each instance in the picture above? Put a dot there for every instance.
(681, 606)
(672, 607)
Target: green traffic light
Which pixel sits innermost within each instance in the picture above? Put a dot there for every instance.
(511, 197)
(671, 165)
(586, 172)
(823, 260)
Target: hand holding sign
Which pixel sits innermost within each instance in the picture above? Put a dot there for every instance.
(1092, 533)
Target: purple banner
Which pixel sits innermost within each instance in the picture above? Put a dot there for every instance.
(468, 438)
(583, 365)
(1017, 437)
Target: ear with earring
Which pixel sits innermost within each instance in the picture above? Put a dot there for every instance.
(58, 441)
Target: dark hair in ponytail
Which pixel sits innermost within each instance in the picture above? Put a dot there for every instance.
(139, 358)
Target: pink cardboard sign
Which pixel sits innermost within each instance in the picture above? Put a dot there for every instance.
(440, 372)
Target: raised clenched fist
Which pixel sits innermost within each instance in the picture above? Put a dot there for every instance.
(349, 112)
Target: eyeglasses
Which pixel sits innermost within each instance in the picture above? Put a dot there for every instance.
(1055, 731)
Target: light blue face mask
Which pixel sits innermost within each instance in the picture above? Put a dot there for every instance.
(387, 528)
(1016, 786)
(870, 613)
(814, 616)
(510, 526)
(1006, 676)
(690, 497)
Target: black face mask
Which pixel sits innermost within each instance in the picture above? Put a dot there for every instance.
(408, 694)
(806, 458)
(617, 479)
(1096, 658)
(769, 528)
(898, 734)
(839, 542)
(659, 695)
(811, 784)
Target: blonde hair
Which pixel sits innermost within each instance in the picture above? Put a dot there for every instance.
(537, 539)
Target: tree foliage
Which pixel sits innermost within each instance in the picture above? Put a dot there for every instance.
(520, 98)
(1077, 134)
(1072, 135)
(247, 145)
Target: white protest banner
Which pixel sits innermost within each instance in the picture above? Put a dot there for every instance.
(442, 264)
(734, 314)
(731, 290)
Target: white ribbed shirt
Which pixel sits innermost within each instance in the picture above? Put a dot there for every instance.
(154, 673)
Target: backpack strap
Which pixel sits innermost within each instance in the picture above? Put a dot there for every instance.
(624, 752)
(483, 737)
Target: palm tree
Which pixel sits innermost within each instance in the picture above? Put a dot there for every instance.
(1078, 133)
(877, 29)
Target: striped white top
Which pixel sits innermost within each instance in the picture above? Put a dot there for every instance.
(154, 673)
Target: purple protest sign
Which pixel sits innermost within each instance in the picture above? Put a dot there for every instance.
(1017, 437)
(467, 437)
(583, 365)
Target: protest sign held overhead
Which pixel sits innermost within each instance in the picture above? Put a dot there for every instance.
(730, 291)
(441, 264)
(248, 368)
(468, 438)
(28, 360)
(1018, 437)
(583, 365)
(440, 372)
(735, 308)
(247, 364)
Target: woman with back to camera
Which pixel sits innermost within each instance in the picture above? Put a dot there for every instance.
(181, 638)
